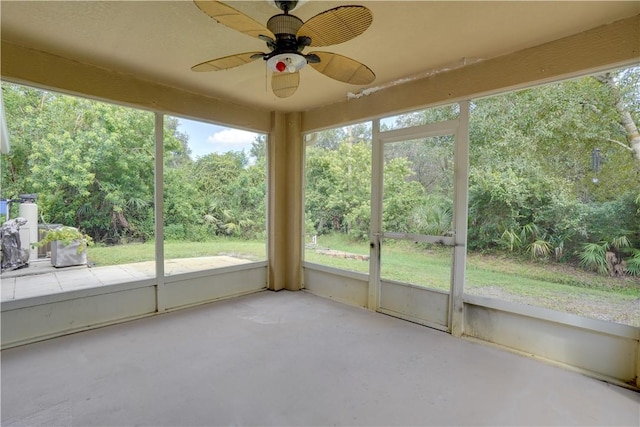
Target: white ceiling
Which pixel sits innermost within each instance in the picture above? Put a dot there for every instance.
(160, 41)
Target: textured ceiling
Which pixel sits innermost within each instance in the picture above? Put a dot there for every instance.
(160, 41)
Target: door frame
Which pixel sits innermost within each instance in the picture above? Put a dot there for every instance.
(460, 129)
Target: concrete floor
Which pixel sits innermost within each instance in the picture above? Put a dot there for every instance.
(291, 358)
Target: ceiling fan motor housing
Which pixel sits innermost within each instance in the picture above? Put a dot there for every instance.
(284, 26)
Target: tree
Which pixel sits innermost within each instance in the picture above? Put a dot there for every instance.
(531, 167)
(91, 163)
(611, 81)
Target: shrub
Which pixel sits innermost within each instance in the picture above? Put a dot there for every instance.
(66, 235)
(633, 264)
(593, 257)
(174, 232)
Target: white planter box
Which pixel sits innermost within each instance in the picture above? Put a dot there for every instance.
(66, 256)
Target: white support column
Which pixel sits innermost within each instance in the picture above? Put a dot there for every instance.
(461, 197)
(158, 211)
(375, 227)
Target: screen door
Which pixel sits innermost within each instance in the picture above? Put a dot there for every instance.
(414, 221)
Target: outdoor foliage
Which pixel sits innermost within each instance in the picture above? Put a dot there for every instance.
(532, 188)
(92, 166)
(66, 235)
(533, 185)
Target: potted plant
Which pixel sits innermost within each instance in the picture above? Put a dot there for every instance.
(68, 246)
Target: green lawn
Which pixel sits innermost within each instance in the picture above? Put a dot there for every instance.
(549, 285)
(136, 252)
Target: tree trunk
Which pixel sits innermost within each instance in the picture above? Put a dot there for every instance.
(633, 137)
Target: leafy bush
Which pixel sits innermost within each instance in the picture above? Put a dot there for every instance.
(593, 257)
(539, 249)
(610, 219)
(434, 216)
(633, 263)
(66, 235)
(197, 233)
(174, 232)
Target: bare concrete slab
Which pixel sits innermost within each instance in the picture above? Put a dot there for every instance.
(291, 358)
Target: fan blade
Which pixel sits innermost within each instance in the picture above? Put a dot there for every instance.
(232, 18)
(228, 62)
(336, 25)
(285, 84)
(343, 69)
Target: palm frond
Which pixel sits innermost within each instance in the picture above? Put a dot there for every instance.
(593, 257)
(539, 249)
(633, 264)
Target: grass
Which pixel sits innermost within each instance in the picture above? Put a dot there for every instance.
(101, 255)
(407, 262)
(550, 285)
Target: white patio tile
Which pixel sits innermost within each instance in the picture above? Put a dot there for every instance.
(141, 270)
(31, 286)
(112, 275)
(42, 279)
(77, 279)
(8, 288)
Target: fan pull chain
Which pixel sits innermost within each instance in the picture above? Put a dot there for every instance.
(266, 78)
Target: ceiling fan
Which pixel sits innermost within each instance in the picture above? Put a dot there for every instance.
(287, 36)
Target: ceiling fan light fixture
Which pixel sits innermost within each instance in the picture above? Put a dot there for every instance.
(286, 62)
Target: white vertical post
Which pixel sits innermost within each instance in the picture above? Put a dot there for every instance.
(375, 227)
(29, 231)
(158, 211)
(460, 218)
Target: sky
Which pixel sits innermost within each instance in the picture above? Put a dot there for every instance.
(205, 138)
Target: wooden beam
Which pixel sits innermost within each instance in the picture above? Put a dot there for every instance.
(598, 49)
(33, 67)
